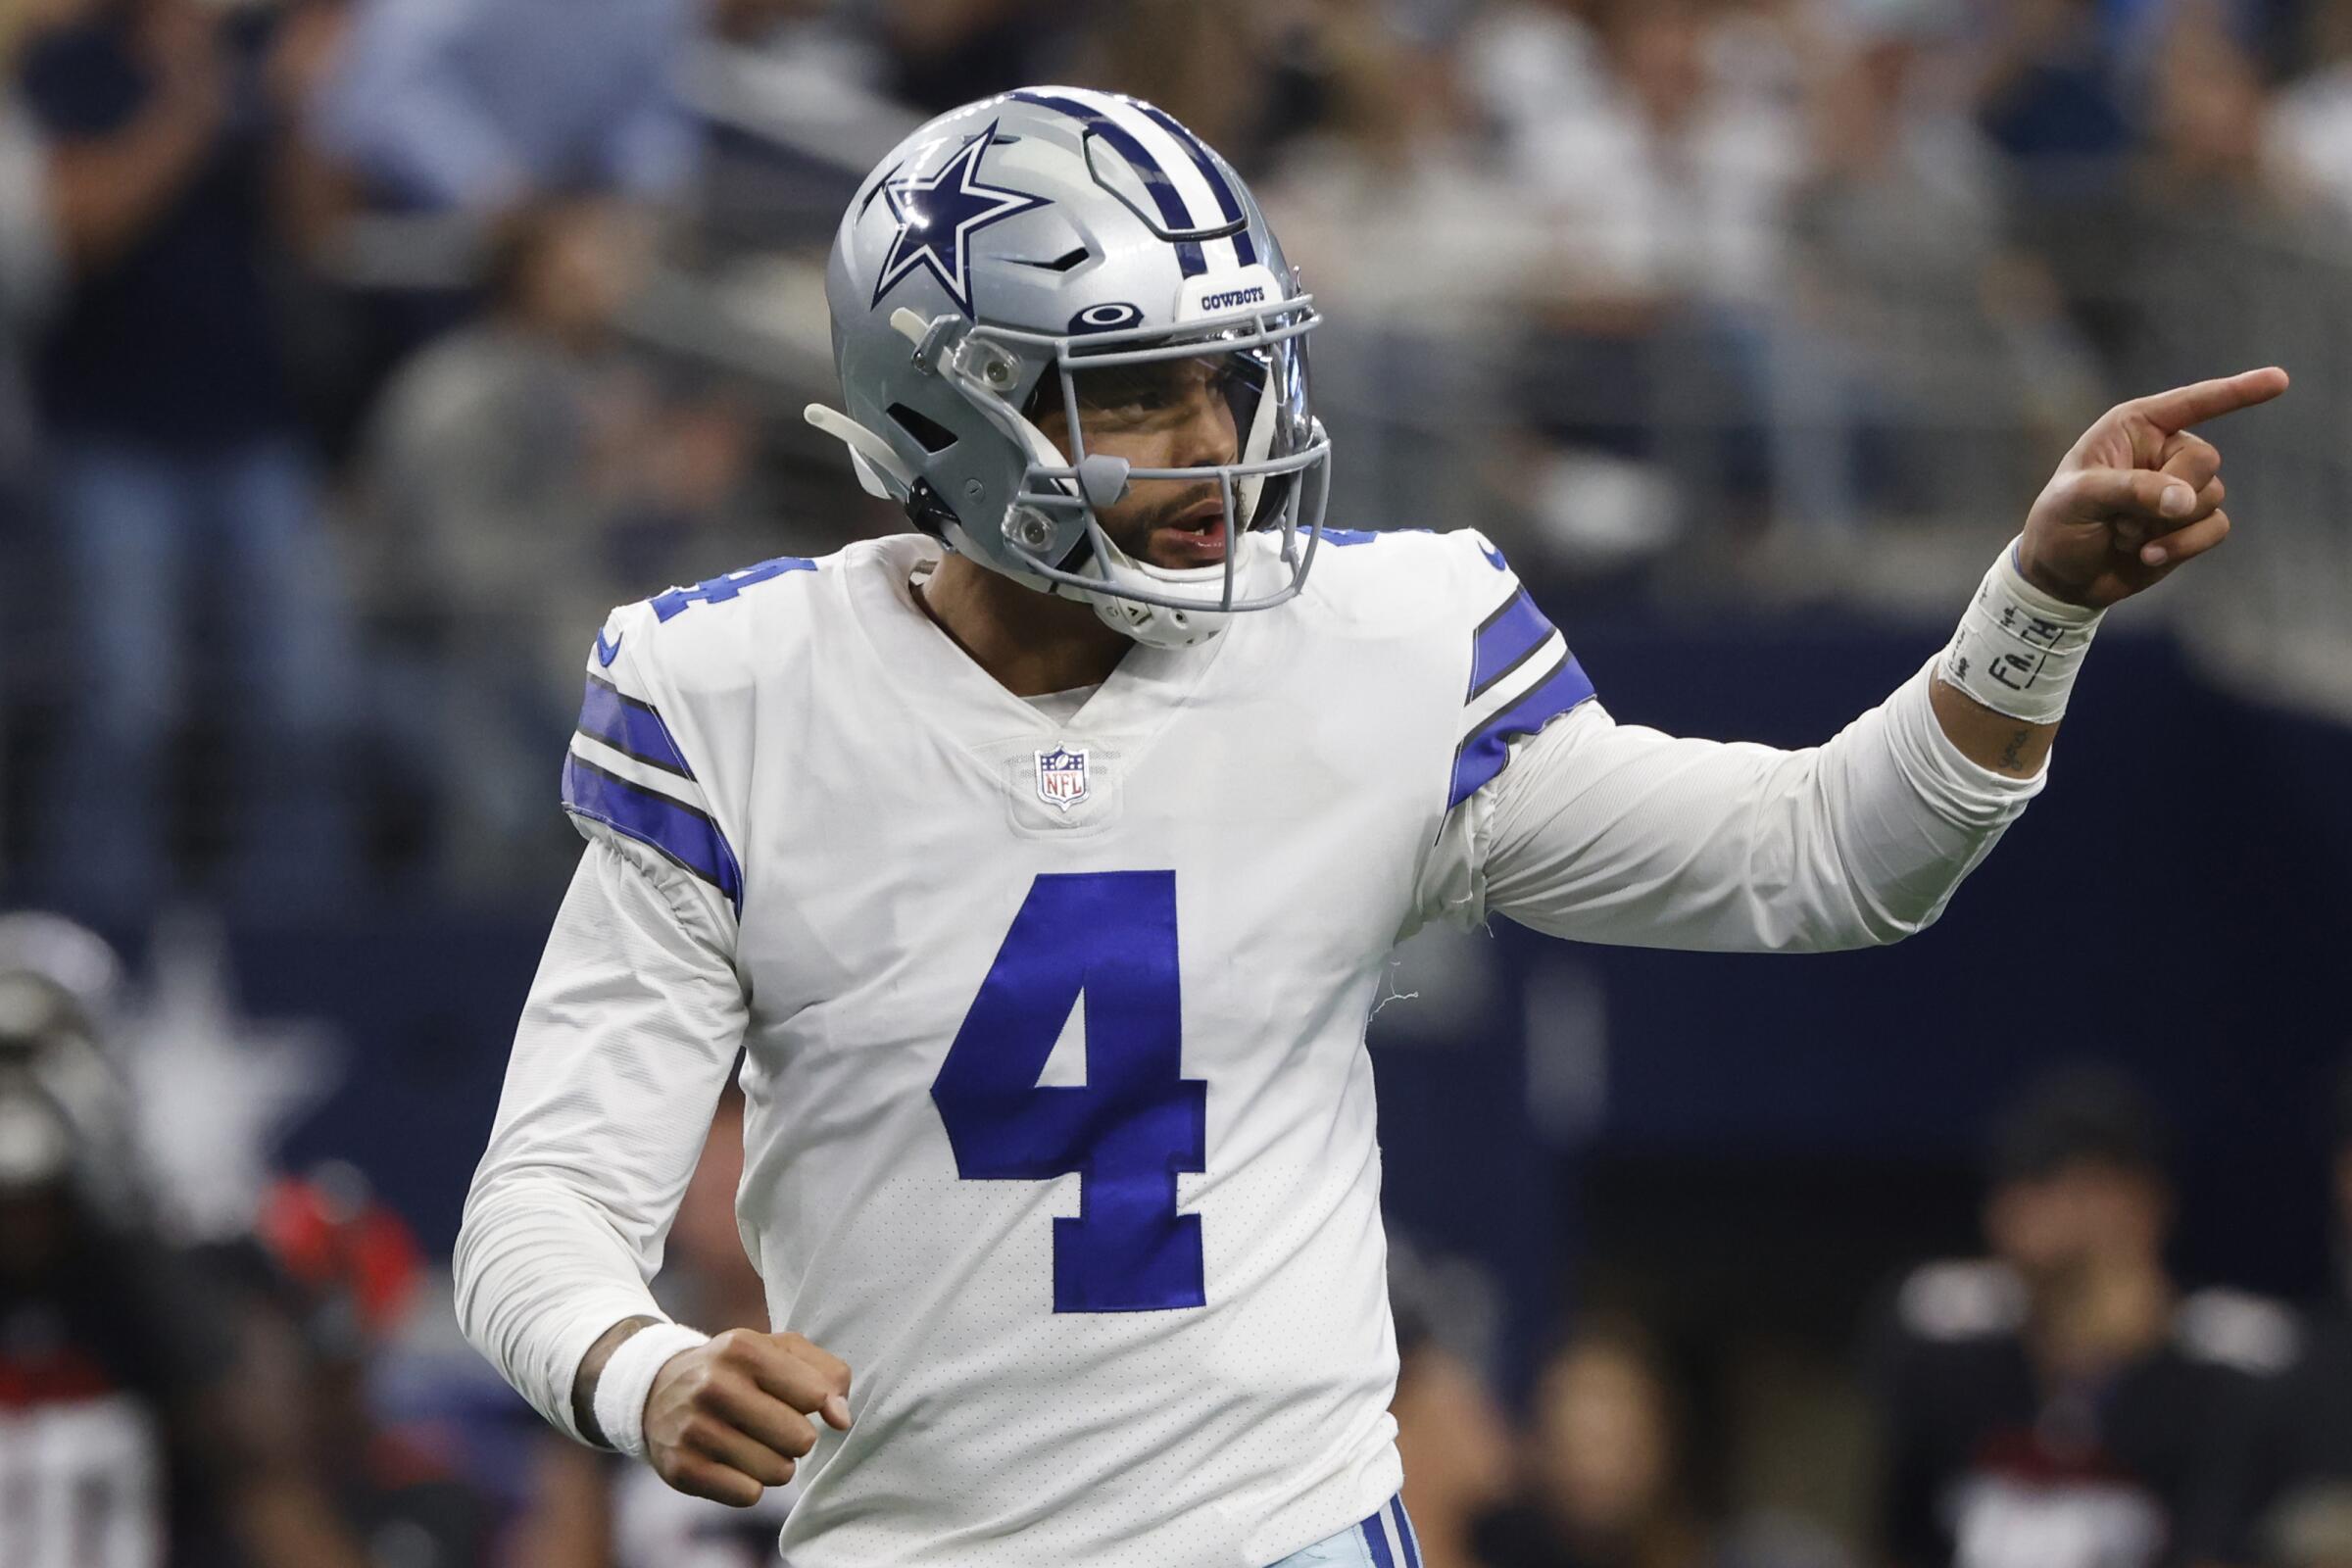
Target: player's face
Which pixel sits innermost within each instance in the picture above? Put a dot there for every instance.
(1606, 1448)
(1176, 413)
(2083, 1215)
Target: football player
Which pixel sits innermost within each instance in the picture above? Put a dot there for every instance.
(1043, 861)
(148, 1413)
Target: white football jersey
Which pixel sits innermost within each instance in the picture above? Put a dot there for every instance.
(1059, 1122)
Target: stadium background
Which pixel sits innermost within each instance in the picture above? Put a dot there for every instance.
(358, 352)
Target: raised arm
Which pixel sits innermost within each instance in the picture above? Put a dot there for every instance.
(1617, 834)
(1613, 833)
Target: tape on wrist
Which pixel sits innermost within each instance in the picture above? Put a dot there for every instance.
(2017, 650)
(628, 1379)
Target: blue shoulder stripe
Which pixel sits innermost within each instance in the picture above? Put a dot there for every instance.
(630, 728)
(679, 832)
(1483, 754)
(1505, 640)
(1376, 1537)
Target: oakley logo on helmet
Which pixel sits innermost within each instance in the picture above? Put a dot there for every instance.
(1107, 317)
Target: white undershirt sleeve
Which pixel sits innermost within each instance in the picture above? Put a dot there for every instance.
(624, 1046)
(1613, 833)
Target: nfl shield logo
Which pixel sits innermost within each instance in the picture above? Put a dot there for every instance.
(1061, 777)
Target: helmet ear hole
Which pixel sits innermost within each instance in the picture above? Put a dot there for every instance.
(928, 433)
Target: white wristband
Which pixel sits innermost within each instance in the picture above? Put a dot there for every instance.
(628, 1378)
(2017, 650)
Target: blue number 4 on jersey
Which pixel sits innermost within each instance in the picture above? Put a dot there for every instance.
(1106, 939)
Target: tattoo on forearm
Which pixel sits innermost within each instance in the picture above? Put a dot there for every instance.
(2011, 760)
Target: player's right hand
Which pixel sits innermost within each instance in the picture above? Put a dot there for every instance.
(729, 1419)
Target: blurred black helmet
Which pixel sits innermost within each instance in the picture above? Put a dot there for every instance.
(63, 1104)
(2078, 1115)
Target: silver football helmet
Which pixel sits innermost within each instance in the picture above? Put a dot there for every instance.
(1003, 262)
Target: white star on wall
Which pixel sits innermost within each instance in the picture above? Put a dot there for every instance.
(213, 1092)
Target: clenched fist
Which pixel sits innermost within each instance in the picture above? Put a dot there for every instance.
(730, 1418)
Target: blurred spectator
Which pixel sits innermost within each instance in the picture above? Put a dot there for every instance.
(1937, 340)
(521, 477)
(1212, 63)
(1452, 1434)
(481, 105)
(146, 1414)
(30, 266)
(949, 52)
(28, 272)
(1422, 256)
(343, 1270)
(1663, 182)
(2309, 1525)
(593, 1511)
(2210, 107)
(2049, 95)
(176, 463)
(2063, 1405)
(1605, 1486)
(1523, 57)
(2309, 134)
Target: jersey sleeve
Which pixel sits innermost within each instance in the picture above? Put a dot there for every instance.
(1579, 826)
(1522, 675)
(629, 782)
(625, 1042)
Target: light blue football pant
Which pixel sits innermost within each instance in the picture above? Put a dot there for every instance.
(1384, 1541)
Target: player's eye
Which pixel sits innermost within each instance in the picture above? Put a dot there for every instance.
(1141, 390)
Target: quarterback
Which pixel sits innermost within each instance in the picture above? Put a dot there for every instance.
(1041, 864)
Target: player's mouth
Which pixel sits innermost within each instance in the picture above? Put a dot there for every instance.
(1194, 537)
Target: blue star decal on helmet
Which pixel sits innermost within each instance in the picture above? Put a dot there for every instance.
(939, 215)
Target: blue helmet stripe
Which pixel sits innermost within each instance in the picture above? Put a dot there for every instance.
(1164, 194)
(1245, 250)
(1485, 753)
(676, 831)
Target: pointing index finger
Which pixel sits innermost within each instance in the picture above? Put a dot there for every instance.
(2185, 406)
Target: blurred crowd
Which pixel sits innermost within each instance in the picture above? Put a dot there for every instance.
(354, 354)
(270, 1378)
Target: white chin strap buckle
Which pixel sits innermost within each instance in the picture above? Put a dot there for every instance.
(880, 470)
